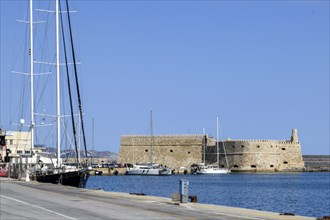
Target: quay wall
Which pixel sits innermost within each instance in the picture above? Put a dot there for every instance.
(181, 151)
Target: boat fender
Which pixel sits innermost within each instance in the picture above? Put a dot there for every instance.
(27, 178)
(60, 180)
(193, 199)
(138, 194)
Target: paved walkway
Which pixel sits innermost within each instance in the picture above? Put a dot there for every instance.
(33, 200)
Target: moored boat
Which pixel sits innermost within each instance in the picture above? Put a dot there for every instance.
(148, 169)
(98, 172)
(211, 169)
(67, 101)
(151, 168)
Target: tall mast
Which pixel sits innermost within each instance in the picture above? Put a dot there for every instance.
(92, 140)
(58, 112)
(204, 145)
(218, 140)
(31, 76)
(224, 149)
(78, 151)
(152, 140)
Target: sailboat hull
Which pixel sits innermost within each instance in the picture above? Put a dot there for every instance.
(74, 178)
(224, 171)
(212, 169)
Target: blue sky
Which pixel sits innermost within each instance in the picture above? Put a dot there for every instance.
(262, 66)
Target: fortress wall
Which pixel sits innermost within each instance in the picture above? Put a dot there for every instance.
(172, 150)
(243, 155)
(258, 155)
(291, 156)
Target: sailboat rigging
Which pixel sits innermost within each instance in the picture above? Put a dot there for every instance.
(151, 168)
(76, 174)
(213, 168)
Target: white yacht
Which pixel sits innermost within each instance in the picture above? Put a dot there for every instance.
(148, 169)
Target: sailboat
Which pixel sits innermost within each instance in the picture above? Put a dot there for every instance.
(56, 172)
(213, 168)
(151, 168)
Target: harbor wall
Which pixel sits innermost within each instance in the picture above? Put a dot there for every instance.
(181, 151)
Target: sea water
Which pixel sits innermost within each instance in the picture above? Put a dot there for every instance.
(306, 194)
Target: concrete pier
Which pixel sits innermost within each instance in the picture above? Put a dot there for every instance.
(33, 200)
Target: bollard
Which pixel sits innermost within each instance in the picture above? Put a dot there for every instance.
(27, 178)
(8, 170)
(193, 199)
(184, 191)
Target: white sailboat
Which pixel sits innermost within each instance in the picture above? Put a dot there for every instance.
(150, 169)
(213, 168)
(55, 171)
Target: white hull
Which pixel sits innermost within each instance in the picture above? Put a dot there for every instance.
(148, 171)
(212, 170)
(222, 171)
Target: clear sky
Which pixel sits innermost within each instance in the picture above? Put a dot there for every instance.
(262, 66)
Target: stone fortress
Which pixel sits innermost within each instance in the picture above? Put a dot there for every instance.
(182, 151)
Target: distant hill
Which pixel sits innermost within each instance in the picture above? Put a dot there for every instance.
(90, 153)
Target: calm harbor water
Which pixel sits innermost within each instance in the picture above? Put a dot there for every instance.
(306, 194)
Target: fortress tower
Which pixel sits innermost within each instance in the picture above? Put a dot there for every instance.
(294, 136)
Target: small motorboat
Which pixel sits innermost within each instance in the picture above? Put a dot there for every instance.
(98, 172)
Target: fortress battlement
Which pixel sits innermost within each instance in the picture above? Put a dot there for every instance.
(256, 140)
(162, 135)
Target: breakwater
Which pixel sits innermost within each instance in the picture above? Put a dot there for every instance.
(316, 163)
